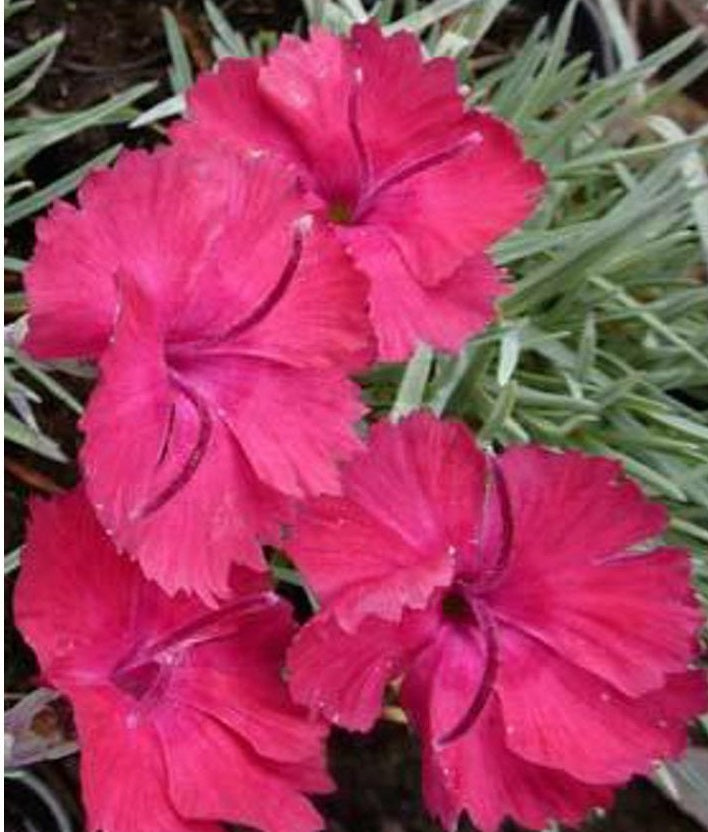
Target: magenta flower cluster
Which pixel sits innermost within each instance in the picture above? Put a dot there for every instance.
(318, 210)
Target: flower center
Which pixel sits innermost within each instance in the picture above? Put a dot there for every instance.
(138, 680)
(340, 212)
(455, 608)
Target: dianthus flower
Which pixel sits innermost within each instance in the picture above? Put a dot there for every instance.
(544, 657)
(182, 714)
(225, 321)
(415, 186)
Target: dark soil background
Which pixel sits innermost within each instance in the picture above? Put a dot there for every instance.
(110, 45)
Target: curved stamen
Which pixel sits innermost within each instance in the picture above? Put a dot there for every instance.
(413, 169)
(144, 672)
(489, 673)
(354, 129)
(201, 629)
(274, 296)
(194, 459)
(169, 429)
(494, 547)
(503, 555)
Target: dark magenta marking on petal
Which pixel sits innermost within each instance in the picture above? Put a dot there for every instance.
(274, 296)
(197, 631)
(496, 569)
(137, 680)
(410, 170)
(195, 457)
(168, 435)
(357, 138)
(491, 650)
(145, 672)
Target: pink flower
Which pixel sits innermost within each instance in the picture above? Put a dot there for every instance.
(416, 187)
(545, 657)
(225, 320)
(182, 715)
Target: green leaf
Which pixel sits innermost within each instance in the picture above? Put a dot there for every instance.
(181, 70)
(422, 18)
(12, 8)
(510, 351)
(499, 415)
(24, 88)
(412, 388)
(12, 560)
(36, 202)
(23, 60)
(176, 105)
(232, 41)
(33, 369)
(20, 149)
(21, 434)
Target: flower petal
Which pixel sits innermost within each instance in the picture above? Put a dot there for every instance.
(443, 680)
(410, 503)
(570, 509)
(404, 312)
(322, 318)
(165, 475)
(238, 682)
(456, 204)
(70, 286)
(309, 84)
(227, 106)
(398, 128)
(211, 774)
(341, 675)
(629, 621)
(294, 425)
(205, 235)
(67, 563)
(545, 699)
(480, 775)
(123, 772)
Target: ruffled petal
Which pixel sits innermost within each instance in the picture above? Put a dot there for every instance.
(321, 320)
(457, 203)
(359, 567)
(227, 106)
(557, 714)
(70, 286)
(397, 128)
(480, 775)
(343, 676)
(294, 425)
(410, 504)
(630, 621)
(443, 680)
(67, 563)
(570, 509)
(123, 773)
(309, 85)
(404, 312)
(239, 683)
(206, 235)
(167, 478)
(212, 774)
